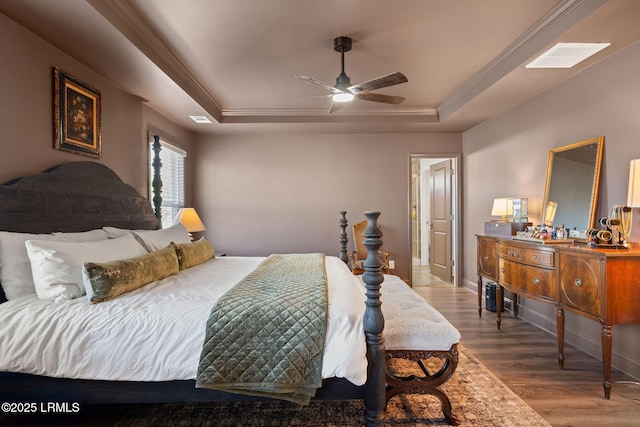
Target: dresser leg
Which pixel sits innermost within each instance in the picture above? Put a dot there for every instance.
(479, 295)
(607, 339)
(499, 294)
(560, 331)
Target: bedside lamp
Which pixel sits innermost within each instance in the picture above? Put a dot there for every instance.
(191, 221)
(502, 207)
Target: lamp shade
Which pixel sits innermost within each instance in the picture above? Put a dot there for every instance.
(190, 219)
(502, 207)
(633, 196)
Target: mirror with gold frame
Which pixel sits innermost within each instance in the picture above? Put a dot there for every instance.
(571, 188)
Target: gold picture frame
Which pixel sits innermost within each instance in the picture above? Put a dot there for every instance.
(76, 115)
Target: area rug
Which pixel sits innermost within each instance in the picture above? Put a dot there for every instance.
(478, 397)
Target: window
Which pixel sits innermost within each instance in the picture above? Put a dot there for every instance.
(172, 175)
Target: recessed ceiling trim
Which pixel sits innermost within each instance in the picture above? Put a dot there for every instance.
(315, 115)
(559, 20)
(138, 31)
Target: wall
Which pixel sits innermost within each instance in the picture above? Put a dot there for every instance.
(507, 156)
(26, 114)
(263, 194)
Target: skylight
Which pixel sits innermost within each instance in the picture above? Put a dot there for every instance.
(200, 119)
(566, 55)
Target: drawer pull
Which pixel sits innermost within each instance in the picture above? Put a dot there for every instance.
(536, 281)
(577, 282)
(502, 269)
(534, 257)
(486, 257)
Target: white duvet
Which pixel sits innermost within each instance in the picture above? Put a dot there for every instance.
(156, 332)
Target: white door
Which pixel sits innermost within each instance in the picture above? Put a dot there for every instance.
(440, 253)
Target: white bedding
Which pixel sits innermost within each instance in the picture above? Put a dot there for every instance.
(156, 332)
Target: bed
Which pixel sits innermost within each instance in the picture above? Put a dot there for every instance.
(66, 360)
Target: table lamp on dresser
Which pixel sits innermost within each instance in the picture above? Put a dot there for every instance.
(633, 195)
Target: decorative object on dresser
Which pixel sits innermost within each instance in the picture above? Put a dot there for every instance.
(191, 220)
(76, 115)
(504, 208)
(521, 210)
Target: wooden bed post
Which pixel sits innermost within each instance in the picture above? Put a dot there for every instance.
(374, 395)
(343, 237)
(156, 184)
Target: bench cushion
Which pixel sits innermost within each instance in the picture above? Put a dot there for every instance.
(410, 322)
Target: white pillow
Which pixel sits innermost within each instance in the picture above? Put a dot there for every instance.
(57, 266)
(115, 232)
(15, 270)
(154, 240)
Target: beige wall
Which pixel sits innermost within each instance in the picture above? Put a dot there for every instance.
(262, 194)
(507, 156)
(26, 143)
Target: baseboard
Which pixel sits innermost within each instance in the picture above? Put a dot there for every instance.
(572, 337)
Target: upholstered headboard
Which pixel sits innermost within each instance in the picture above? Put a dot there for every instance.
(72, 197)
(76, 196)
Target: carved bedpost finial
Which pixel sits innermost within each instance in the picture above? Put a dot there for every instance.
(374, 397)
(156, 184)
(343, 237)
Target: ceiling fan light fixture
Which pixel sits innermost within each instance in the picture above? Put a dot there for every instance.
(343, 97)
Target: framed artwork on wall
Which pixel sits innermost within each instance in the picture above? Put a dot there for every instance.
(76, 116)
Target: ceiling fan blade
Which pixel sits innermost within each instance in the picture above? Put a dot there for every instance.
(379, 82)
(336, 106)
(319, 83)
(378, 97)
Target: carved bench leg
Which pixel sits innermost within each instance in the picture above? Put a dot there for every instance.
(428, 382)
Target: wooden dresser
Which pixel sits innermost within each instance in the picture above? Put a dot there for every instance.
(600, 284)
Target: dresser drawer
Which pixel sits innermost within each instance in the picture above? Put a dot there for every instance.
(581, 283)
(539, 282)
(510, 274)
(505, 250)
(528, 280)
(538, 257)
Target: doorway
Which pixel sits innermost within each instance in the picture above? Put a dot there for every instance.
(433, 219)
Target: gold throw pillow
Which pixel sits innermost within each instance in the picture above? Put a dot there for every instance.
(111, 279)
(192, 254)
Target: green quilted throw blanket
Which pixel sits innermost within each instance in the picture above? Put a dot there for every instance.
(265, 336)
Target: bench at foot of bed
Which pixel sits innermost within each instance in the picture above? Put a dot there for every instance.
(434, 369)
(421, 345)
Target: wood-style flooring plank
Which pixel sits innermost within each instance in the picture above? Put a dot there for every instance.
(524, 357)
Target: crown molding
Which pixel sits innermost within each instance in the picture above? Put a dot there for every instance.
(128, 20)
(564, 16)
(317, 115)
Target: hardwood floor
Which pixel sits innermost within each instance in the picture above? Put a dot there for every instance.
(524, 357)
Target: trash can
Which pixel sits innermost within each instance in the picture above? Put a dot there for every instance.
(490, 297)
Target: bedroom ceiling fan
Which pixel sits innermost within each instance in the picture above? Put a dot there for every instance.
(343, 91)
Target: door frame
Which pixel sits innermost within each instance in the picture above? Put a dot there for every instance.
(456, 240)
